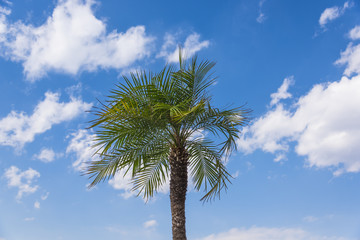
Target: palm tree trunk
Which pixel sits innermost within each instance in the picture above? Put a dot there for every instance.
(178, 187)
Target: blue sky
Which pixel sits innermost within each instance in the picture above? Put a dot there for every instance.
(295, 63)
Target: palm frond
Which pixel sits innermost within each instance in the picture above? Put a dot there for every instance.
(152, 176)
(150, 113)
(220, 122)
(207, 169)
(132, 156)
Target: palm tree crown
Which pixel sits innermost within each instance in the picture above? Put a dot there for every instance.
(148, 128)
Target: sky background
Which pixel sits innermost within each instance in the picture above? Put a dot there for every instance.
(295, 63)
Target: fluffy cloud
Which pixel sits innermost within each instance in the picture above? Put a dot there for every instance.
(323, 124)
(45, 196)
(18, 128)
(261, 233)
(351, 56)
(81, 145)
(354, 33)
(122, 181)
(150, 224)
(282, 92)
(330, 14)
(47, 155)
(170, 50)
(5, 11)
(37, 205)
(72, 27)
(23, 180)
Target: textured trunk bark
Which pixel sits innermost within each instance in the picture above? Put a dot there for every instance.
(178, 187)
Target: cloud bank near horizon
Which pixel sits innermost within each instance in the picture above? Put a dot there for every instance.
(264, 233)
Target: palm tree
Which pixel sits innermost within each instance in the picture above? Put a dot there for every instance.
(149, 126)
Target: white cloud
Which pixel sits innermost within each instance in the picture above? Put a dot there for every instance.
(127, 71)
(323, 123)
(22, 180)
(351, 58)
(3, 23)
(18, 128)
(7, 2)
(170, 50)
(123, 182)
(47, 155)
(280, 157)
(267, 132)
(5, 11)
(37, 205)
(282, 92)
(73, 27)
(236, 174)
(45, 196)
(330, 14)
(80, 144)
(261, 18)
(354, 33)
(262, 233)
(198, 135)
(170, 41)
(310, 219)
(29, 219)
(150, 224)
